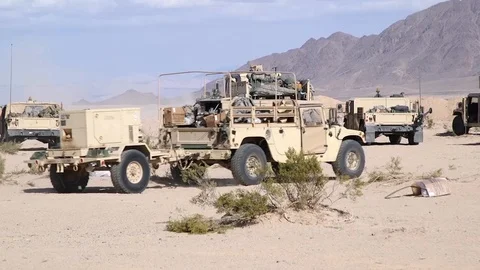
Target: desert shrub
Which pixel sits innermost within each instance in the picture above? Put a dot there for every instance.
(194, 174)
(394, 167)
(195, 224)
(429, 123)
(300, 183)
(207, 195)
(241, 207)
(2, 167)
(433, 174)
(9, 148)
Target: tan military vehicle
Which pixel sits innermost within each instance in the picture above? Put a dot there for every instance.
(30, 120)
(467, 114)
(395, 117)
(237, 132)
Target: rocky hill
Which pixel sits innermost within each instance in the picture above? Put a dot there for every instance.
(440, 42)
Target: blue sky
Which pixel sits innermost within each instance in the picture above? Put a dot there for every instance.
(72, 49)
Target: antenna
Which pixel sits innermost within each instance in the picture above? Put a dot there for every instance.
(420, 91)
(11, 77)
(276, 86)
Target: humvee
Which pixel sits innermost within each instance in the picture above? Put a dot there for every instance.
(395, 117)
(240, 133)
(30, 120)
(466, 114)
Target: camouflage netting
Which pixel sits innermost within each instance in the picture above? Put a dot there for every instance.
(264, 85)
(383, 109)
(50, 112)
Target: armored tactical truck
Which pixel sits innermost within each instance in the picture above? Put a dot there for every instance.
(395, 117)
(466, 114)
(30, 120)
(237, 132)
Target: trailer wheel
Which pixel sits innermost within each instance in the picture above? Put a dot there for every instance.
(249, 164)
(350, 160)
(395, 139)
(132, 174)
(69, 181)
(458, 127)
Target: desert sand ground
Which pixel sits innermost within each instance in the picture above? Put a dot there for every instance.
(99, 229)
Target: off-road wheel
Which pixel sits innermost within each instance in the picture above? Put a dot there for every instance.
(69, 181)
(350, 160)
(249, 164)
(411, 139)
(132, 174)
(395, 139)
(177, 174)
(458, 127)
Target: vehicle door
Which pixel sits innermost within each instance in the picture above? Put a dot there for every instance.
(313, 130)
(473, 113)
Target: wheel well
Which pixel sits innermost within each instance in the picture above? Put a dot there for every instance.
(141, 148)
(260, 141)
(354, 138)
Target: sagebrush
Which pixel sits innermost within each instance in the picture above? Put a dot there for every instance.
(299, 184)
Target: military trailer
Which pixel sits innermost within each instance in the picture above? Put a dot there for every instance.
(20, 121)
(395, 117)
(239, 133)
(466, 114)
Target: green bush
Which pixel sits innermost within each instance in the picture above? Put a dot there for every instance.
(300, 183)
(242, 206)
(196, 224)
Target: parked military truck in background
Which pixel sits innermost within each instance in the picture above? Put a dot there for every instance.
(239, 133)
(31, 120)
(395, 117)
(467, 114)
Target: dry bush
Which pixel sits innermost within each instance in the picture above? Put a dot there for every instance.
(300, 184)
(242, 207)
(9, 148)
(433, 174)
(2, 167)
(429, 123)
(394, 173)
(195, 224)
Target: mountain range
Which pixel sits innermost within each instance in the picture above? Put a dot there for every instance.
(439, 46)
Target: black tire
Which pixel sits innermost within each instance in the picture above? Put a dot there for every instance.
(240, 167)
(411, 139)
(458, 127)
(120, 178)
(69, 181)
(340, 166)
(395, 139)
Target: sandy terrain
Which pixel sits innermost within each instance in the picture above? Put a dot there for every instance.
(40, 229)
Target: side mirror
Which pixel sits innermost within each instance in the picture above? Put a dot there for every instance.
(459, 105)
(430, 110)
(339, 106)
